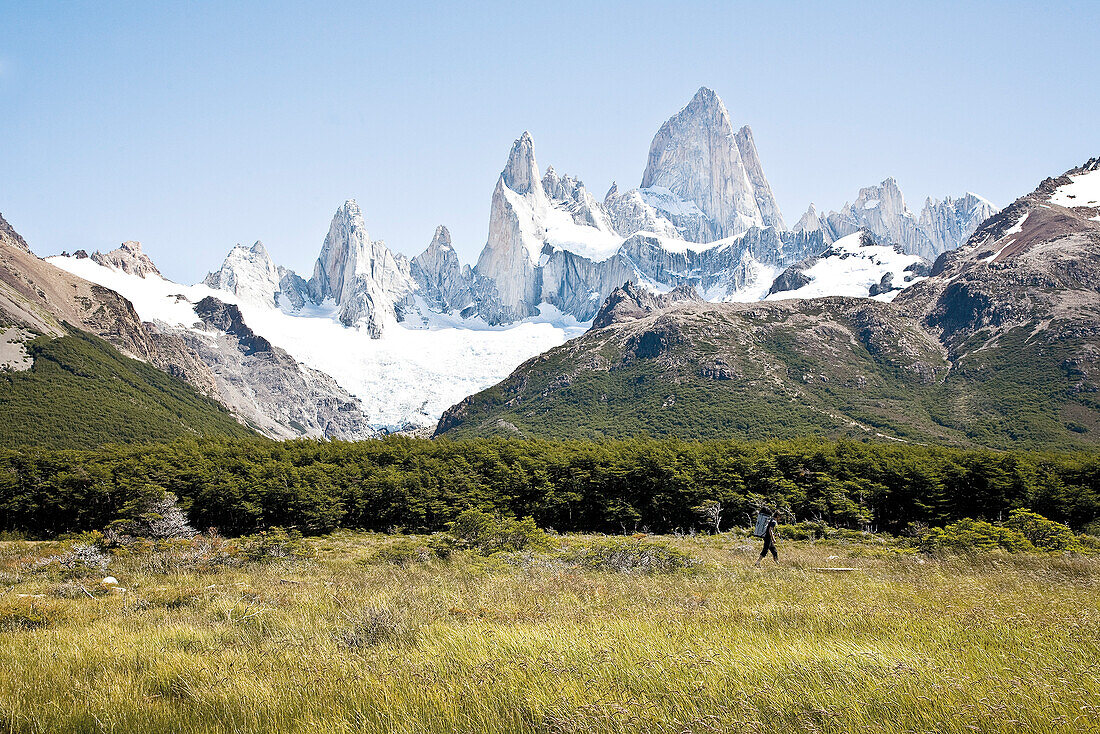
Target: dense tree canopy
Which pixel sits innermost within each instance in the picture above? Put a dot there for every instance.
(241, 485)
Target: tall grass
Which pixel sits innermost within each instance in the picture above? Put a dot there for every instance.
(344, 643)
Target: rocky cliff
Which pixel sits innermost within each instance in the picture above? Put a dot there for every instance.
(696, 156)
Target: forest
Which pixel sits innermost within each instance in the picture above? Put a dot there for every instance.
(400, 484)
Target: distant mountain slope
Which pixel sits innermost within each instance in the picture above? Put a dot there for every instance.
(80, 393)
(700, 370)
(1000, 346)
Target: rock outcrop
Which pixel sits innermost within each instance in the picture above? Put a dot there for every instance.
(128, 258)
(250, 274)
(441, 280)
(10, 237)
(266, 387)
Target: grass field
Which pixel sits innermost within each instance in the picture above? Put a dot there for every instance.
(348, 642)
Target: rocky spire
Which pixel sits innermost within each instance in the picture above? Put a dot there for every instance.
(765, 200)
(695, 155)
(440, 277)
(521, 173)
(371, 286)
(810, 221)
(345, 242)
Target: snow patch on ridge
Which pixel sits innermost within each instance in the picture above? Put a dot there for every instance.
(850, 268)
(1083, 191)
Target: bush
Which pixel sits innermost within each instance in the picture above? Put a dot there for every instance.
(158, 516)
(974, 536)
(487, 534)
(806, 530)
(401, 552)
(1044, 534)
(275, 545)
(83, 558)
(203, 553)
(631, 555)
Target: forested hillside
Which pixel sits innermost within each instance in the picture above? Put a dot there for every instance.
(81, 392)
(239, 486)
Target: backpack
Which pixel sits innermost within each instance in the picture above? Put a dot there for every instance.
(762, 521)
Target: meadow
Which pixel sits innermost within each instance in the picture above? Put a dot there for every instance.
(367, 632)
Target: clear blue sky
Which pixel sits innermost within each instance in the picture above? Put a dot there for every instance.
(193, 126)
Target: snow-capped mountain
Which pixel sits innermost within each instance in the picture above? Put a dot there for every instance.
(371, 285)
(401, 339)
(941, 226)
(697, 159)
(250, 274)
(704, 215)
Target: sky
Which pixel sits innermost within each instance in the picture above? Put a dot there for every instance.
(194, 126)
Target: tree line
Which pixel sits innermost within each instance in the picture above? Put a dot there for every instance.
(244, 485)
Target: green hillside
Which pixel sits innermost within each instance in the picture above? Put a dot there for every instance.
(831, 369)
(81, 392)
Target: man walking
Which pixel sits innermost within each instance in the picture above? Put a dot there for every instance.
(769, 543)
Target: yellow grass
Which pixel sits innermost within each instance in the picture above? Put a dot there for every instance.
(991, 644)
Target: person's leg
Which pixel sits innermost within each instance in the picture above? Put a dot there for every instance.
(775, 553)
(763, 553)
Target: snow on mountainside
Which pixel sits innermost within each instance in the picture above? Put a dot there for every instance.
(403, 380)
(853, 266)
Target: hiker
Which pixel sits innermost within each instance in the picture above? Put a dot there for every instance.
(769, 542)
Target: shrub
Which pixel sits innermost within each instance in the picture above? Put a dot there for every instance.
(158, 517)
(487, 534)
(276, 544)
(84, 558)
(631, 555)
(203, 553)
(1044, 534)
(806, 530)
(974, 536)
(401, 553)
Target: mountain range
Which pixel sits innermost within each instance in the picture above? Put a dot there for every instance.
(374, 341)
(997, 344)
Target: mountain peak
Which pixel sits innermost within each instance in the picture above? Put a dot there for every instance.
(259, 249)
(521, 173)
(697, 157)
(707, 98)
(441, 239)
